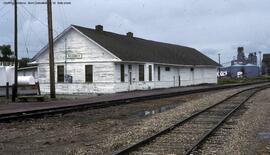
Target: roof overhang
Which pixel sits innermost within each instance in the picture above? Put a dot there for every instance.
(166, 64)
(27, 68)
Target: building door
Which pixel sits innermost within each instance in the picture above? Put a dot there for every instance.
(130, 76)
(179, 80)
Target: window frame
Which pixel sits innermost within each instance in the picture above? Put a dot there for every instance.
(150, 71)
(159, 73)
(60, 79)
(141, 73)
(122, 72)
(167, 69)
(89, 77)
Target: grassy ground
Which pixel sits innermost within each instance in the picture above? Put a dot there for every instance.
(4, 100)
(228, 80)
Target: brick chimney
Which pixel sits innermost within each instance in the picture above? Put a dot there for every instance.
(99, 28)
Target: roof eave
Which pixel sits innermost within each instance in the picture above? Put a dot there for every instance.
(167, 64)
(74, 27)
(46, 47)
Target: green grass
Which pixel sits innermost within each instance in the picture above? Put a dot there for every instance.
(4, 100)
(228, 80)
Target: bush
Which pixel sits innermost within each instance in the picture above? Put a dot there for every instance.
(228, 80)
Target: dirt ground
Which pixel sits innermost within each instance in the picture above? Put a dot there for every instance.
(103, 131)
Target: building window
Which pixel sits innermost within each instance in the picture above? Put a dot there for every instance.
(33, 74)
(150, 72)
(122, 72)
(89, 73)
(192, 69)
(141, 72)
(129, 67)
(167, 68)
(158, 73)
(60, 74)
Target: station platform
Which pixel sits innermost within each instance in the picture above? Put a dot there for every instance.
(21, 107)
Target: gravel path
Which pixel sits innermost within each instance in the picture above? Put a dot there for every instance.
(99, 131)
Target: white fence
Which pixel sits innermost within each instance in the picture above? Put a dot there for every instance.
(6, 75)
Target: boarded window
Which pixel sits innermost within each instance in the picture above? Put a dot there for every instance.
(60, 74)
(150, 72)
(141, 72)
(158, 73)
(89, 73)
(122, 66)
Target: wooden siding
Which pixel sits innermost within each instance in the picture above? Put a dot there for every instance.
(106, 70)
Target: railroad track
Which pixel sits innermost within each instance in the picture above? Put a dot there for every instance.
(187, 135)
(8, 117)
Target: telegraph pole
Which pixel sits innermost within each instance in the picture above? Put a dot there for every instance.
(260, 63)
(219, 64)
(260, 58)
(15, 86)
(51, 52)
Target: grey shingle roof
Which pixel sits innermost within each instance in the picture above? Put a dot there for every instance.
(137, 49)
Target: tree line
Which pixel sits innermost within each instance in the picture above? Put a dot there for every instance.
(7, 55)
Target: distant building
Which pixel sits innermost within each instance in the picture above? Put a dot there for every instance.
(248, 70)
(243, 66)
(242, 60)
(29, 71)
(266, 64)
(96, 61)
(6, 75)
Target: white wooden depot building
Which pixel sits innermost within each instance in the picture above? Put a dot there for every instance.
(96, 61)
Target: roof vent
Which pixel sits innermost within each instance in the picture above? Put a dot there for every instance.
(130, 34)
(99, 28)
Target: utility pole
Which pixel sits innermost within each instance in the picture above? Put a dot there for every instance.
(51, 52)
(260, 55)
(260, 63)
(219, 64)
(15, 86)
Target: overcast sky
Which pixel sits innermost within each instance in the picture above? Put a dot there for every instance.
(211, 26)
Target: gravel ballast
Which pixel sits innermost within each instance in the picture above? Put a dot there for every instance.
(100, 131)
(247, 132)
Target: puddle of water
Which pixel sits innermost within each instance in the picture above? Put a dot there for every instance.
(264, 135)
(156, 110)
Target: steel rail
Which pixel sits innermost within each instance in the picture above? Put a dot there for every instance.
(209, 133)
(179, 123)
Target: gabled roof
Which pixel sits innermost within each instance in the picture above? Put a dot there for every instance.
(136, 49)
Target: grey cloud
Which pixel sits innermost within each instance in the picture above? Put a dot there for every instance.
(212, 26)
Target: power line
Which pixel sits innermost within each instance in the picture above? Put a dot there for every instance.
(44, 24)
(4, 12)
(23, 34)
(64, 14)
(2, 7)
